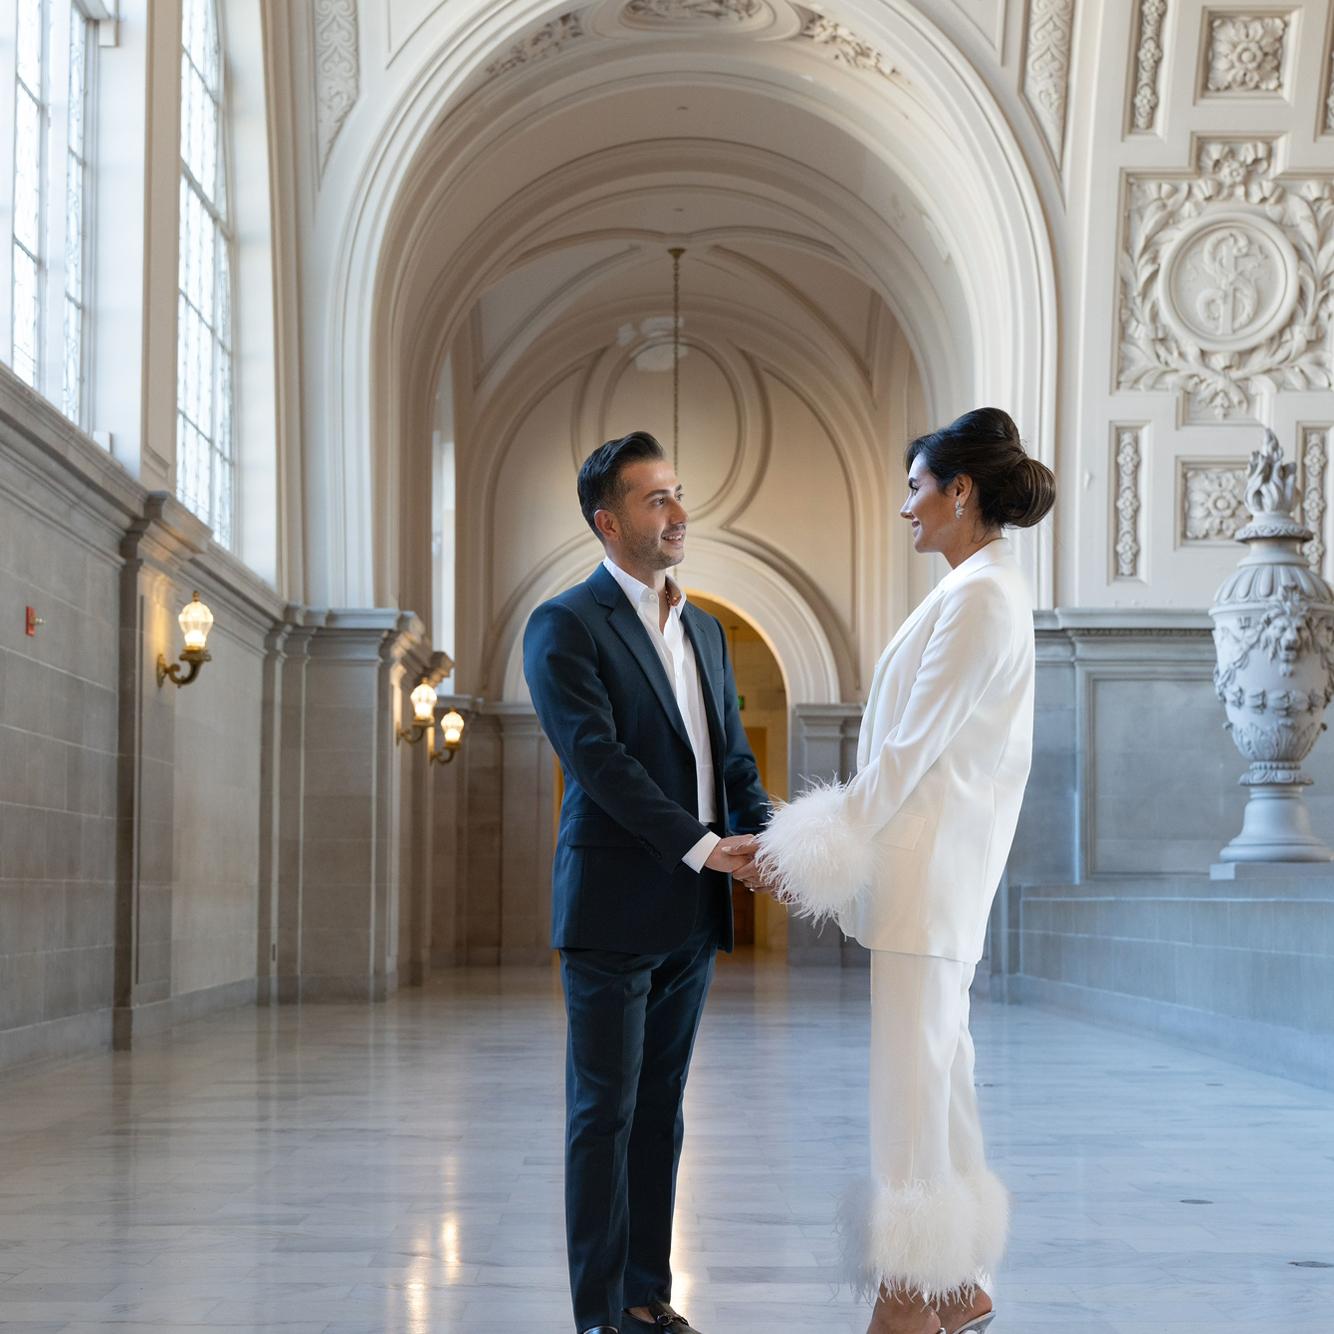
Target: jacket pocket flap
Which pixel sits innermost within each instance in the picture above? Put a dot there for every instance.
(588, 831)
(903, 831)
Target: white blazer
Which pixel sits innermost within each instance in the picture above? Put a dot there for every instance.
(908, 855)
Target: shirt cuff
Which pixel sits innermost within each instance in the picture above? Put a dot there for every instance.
(701, 852)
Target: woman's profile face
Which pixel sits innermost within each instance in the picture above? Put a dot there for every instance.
(928, 508)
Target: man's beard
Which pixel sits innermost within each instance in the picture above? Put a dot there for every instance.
(649, 551)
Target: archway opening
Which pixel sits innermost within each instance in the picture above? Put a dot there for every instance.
(760, 923)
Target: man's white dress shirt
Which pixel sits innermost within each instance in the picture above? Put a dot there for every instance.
(677, 656)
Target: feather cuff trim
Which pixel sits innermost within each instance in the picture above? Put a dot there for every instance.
(813, 858)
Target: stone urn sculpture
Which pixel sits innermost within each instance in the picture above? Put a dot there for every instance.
(1274, 639)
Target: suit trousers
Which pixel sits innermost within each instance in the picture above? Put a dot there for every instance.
(925, 1124)
(632, 1022)
(931, 1217)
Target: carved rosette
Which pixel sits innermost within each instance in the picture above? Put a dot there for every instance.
(1246, 53)
(1274, 639)
(1213, 501)
(1227, 281)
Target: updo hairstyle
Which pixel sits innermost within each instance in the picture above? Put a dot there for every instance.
(1013, 490)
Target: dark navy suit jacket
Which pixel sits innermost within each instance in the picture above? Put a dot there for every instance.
(630, 810)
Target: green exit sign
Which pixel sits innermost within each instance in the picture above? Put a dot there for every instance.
(741, 701)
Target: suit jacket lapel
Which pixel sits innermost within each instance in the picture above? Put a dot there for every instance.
(882, 670)
(625, 621)
(710, 680)
(909, 621)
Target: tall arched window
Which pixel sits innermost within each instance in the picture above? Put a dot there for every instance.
(205, 459)
(50, 194)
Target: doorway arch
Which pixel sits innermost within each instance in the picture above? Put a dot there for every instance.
(760, 922)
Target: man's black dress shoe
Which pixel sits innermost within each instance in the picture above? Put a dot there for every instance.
(603, 1329)
(665, 1321)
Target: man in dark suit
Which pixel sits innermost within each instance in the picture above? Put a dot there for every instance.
(635, 692)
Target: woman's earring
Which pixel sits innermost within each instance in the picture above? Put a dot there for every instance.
(958, 509)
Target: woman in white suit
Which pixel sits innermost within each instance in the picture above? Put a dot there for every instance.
(907, 857)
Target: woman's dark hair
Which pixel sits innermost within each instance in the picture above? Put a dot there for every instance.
(600, 485)
(1013, 490)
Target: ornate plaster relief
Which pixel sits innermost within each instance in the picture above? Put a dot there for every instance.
(337, 70)
(1313, 453)
(1148, 62)
(842, 44)
(1128, 459)
(1329, 88)
(1227, 280)
(722, 11)
(1047, 66)
(1246, 53)
(551, 37)
(1213, 500)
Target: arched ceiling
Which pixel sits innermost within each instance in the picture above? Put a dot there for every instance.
(760, 136)
(819, 169)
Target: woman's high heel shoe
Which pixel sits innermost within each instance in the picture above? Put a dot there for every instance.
(975, 1321)
(977, 1326)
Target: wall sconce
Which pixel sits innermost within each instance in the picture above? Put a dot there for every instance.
(196, 621)
(423, 725)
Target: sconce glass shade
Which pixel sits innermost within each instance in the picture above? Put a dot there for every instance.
(423, 704)
(452, 725)
(196, 621)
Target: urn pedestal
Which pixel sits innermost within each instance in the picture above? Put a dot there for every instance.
(1274, 639)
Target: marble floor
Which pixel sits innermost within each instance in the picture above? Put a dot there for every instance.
(342, 1169)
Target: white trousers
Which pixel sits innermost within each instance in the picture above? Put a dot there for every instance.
(931, 1217)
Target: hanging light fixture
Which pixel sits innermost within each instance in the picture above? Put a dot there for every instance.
(676, 252)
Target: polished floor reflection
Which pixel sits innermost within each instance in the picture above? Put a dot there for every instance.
(338, 1169)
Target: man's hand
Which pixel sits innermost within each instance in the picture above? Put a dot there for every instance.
(732, 854)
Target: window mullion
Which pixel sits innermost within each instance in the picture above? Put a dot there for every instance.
(204, 463)
(8, 80)
(28, 217)
(55, 171)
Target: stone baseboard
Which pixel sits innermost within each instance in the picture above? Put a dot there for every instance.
(56, 1039)
(1288, 1052)
(131, 1023)
(318, 989)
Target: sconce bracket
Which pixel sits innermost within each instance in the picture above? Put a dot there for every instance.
(442, 756)
(195, 658)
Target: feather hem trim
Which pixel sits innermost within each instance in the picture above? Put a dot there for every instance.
(938, 1239)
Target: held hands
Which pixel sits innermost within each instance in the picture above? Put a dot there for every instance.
(736, 856)
(732, 854)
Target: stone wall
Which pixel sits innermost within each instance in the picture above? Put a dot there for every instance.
(1108, 907)
(1243, 968)
(58, 737)
(168, 851)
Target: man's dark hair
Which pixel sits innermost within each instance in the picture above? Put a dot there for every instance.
(600, 484)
